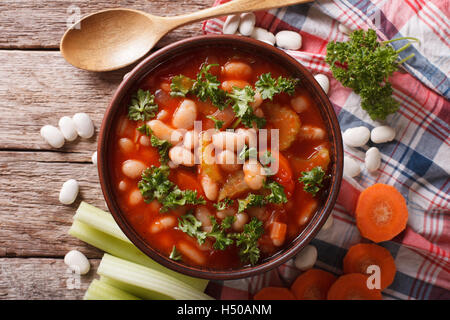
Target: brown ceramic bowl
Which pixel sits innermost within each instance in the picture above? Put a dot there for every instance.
(129, 84)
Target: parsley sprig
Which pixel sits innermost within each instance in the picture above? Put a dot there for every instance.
(365, 65)
(163, 146)
(268, 87)
(247, 241)
(189, 224)
(218, 232)
(241, 98)
(276, 196)
(142, 106)
(312, 180)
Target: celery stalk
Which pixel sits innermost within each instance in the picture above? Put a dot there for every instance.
(134, 290)
(128, 251)
(146, 278)
(99, 290)
(100, 220)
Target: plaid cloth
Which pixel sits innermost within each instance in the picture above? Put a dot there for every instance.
(417, 162)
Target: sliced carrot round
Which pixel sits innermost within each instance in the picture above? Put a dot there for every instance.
(274, 293)
(361, 256)
(313, 285)
(381, 213)
(352, 286)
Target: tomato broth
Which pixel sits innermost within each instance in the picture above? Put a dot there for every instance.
(286, 204)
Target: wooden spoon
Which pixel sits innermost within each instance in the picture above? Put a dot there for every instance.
(115, 38)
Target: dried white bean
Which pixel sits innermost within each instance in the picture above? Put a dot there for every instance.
(306, 258)
(126, 145)
(323, 81)
(382, 134)
(247, 24)
(53, 136)
(94, 158)
(67, 127)
(210, 187)
(373, 159)
(351, 167)
(163, 223)
(185, 115)
(83, 125)
(356, 137)
(289, 40)
(164, 132)
(231, 24)
(77, 262)
(253, 175)
(133, 168)
(135, 197)
(344, 29)
(69, 191)
(145, 141)
(263, 35)
(240, 221)
(180, 155)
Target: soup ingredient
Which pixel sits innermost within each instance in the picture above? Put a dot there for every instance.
(53, 136)
(99, 229)
(189, 224)
(222, 205)
(247, 241)
(351, 167)
(164, 132)
(373, 159)
(277, 194)
(231, 24)
(185, 115)
(252, 200)
(323, 81)
(148, 280)
(352, 287)
(312, 180)
(382, 134)
(360, 256)
(94, 158)
(278, 233)
(174, 254)
(247, 23)
(163, 147)
(218, 124)
(344, 29)
(306, 258)
(180, 155)
(274, 293)
(381, 212)
(155, 185)
(308, 132)
(133, 168)
(289, 40)
(365, 65)
(100, 290)
(234, 186)
(240, 102)
(268, 86)
(69, 191)
(253, 174)
(83, 125)
(312, 285)
(218, 232)
(77, 262)
(328, 224)
(286, 121)
(142, 106)
(210, 187)
(227, 161)
(356, 137)
(263, 35)
(67, 127)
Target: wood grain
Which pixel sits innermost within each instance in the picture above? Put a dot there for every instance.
(41, 24)
(49, 279)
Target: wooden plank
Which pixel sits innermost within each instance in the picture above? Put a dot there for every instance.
(46, 279)
(41, 24)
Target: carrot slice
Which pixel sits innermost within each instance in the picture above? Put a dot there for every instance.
(274, 293)
(381, 213)
(313, 285)
(187, 181)
(362, 255)
(352, 286)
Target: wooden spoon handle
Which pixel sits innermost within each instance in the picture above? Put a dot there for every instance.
(235, 6)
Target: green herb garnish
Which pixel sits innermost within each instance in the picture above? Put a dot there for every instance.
(240, 102)
(248, 153)
(218, 232)
(142, 106)
(180, 86)
(222, 205)
(217, 123)
(312, 180)
(247, 241)
(163, 147)
(268, 86)
(365, 65)
(175, 255)
(277, 194)
(252, 200)
(191, 226)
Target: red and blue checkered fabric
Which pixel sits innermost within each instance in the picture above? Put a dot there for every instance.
(417, 162)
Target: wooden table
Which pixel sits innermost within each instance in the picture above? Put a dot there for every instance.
(38, 87)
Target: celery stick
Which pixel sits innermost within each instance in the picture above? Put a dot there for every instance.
(100, 220)
(126, 250)
(99, 290)
(146, 278)
(134, 290)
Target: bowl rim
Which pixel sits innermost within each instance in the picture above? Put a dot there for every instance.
(324, 105)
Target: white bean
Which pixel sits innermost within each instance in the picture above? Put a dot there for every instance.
(311, 133)
(185, 115)
(263, 35)
(94, 158)
(135, 197)
(327, 225)
(164, 132)
(227, 160)
(382, 134)
(67, 127)
(306, 258)
(253, 175)
(240, 221)
(258, 100)
(351, 167)
(133, 168)
(180, 155)
(373, 159)
(53, 136)
(191, 252)
(247, 24)
(237, 69)
(228, 140)
(222, 214)
(323, 81)
(344, 29)
(126, 145)
(289, 40)
(190, 140)
(163, 223)
(300, 104)
(162, 115)
(204, 216)
(356, 137)
(231, 24)
(83, 125)
(123, 185)
(249, 135)
(69, 191)
(210, 187)
(77, 262)
(145, 141)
